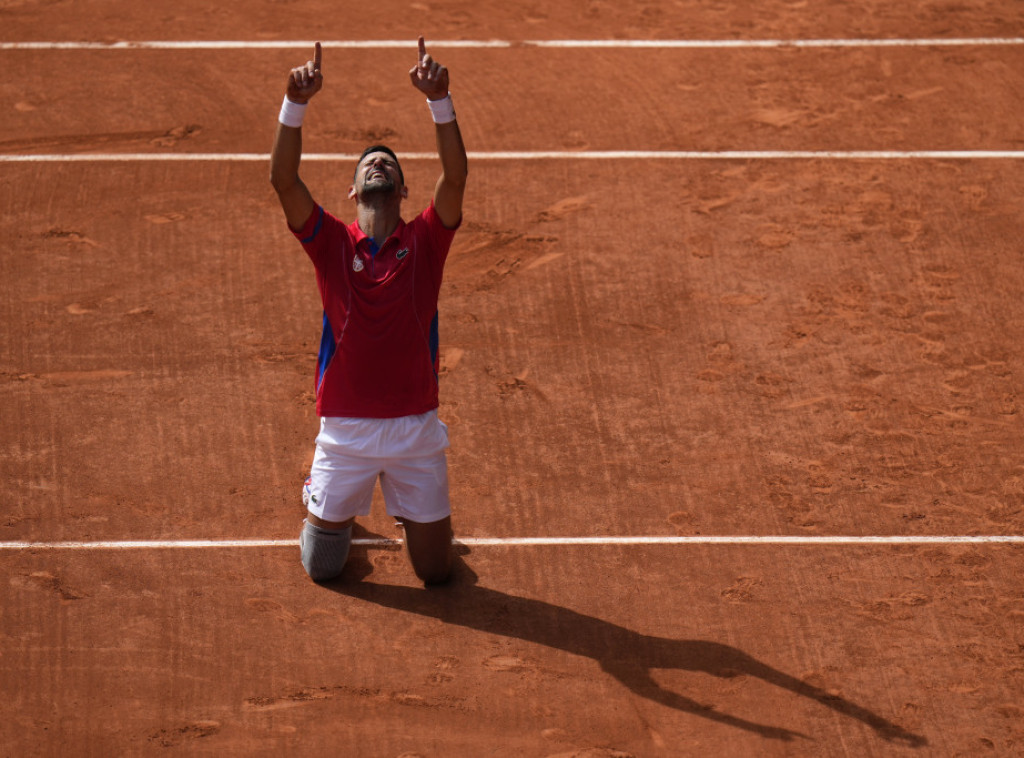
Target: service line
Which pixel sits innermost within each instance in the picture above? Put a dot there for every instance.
(502, 44)
(599, 155)
(543, 541)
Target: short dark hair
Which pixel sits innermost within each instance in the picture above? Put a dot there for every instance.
(381, 149)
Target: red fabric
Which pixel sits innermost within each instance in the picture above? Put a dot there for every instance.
(380, 308)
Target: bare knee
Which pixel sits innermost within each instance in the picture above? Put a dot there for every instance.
(430, 549)
(437, 572)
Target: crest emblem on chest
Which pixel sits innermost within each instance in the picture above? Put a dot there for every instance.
(402, 253)
(357, 264)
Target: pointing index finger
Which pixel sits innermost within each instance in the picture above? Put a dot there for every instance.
(423, 48)
(317, 57)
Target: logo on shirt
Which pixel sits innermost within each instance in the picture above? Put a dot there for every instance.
(357, 264)
(402, 253)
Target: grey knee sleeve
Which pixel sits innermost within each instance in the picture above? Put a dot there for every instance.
(324, 551)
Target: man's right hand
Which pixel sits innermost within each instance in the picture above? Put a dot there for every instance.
(306, 81)
(303, 83)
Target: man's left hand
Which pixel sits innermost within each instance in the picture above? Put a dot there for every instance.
(429, 76)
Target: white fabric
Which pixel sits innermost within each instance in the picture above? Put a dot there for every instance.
(404, 436)
(292, 113)
(406, 454)
(442, 110)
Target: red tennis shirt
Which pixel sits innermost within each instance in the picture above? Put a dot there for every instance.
(379, 350)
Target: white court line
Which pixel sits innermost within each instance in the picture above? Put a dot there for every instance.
(542, 155)
(775, 43)
(554, 43)
(544, 541)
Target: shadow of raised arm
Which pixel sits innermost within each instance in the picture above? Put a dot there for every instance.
(623, 653)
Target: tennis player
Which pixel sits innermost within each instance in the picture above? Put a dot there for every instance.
(376, 380)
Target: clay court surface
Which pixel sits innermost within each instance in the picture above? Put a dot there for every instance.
(652, 347)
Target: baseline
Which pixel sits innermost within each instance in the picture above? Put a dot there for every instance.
(545, 541)
(554, 43)
(548, 155)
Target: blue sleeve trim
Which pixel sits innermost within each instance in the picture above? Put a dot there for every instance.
(316, 229)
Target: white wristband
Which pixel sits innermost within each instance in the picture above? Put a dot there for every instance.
(442, 110)
(292, 113)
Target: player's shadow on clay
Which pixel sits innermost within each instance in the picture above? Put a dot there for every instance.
(627, 655)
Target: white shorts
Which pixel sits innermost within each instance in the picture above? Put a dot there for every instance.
(407, 454)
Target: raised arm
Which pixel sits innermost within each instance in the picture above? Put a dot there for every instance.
(431, 79)
(303, 82)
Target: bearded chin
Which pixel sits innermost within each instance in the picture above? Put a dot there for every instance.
(380, 186)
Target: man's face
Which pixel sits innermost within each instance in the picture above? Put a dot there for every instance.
(378, 173)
